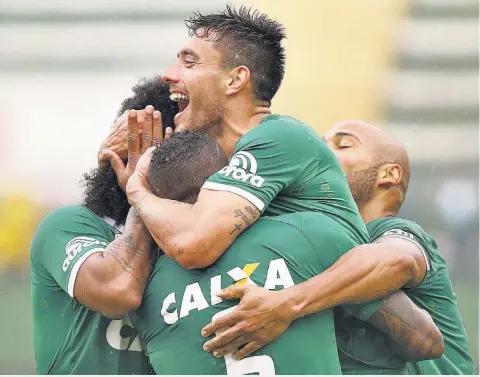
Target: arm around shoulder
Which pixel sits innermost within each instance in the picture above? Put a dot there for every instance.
(413, 333)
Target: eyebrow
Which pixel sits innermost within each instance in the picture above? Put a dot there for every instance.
(342, 133)
(188, 51)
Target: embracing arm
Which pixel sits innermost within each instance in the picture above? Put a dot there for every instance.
(412, 332)
(365, 273)
(194, 235)
(112, 281)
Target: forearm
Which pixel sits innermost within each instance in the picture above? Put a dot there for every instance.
(363, 274)
(411, 331)
(195, 235)
(112, 282)
(131, 253)
(170, 223)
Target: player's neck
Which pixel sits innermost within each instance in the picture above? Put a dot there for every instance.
(378, 207)
(237, 123)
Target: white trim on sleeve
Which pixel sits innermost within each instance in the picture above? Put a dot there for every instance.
(235, 190)
(76, 267)
(411, 240)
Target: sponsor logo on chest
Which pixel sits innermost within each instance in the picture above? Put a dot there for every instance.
(193, 298)
(243, 167)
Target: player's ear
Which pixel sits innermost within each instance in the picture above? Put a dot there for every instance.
(390, 175)
(237, 79)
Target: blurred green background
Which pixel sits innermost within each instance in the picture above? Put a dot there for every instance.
(408, 66)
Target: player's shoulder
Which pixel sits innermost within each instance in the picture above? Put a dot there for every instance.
(68, 214)
(67, 217)
(313, 226)
(395, 225)
(278, 128)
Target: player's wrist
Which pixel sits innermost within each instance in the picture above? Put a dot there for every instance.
(137, 192)
(294, 301)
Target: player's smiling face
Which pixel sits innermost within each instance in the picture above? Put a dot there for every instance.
(195, 81)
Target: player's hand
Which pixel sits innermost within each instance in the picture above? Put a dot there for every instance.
(260, 317)
(151, 124)
(138, 182)
(117, 140)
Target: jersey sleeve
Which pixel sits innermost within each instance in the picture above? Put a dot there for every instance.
(407, 230)
(64, 240)
(267, 160)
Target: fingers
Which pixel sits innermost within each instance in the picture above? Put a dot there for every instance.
(168, 133)
(147, 129)
(223, 338)
(157, 128)
(117, 164)
(247, 350)
(230, 347)
(233, 291)
(132, 137)
(223, 322)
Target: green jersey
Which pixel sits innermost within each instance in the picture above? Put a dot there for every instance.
(275, 253)
(369, 353)
(283, 166)
(435, 295)
(68, 337)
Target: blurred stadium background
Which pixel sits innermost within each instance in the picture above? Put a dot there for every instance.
(411, 67)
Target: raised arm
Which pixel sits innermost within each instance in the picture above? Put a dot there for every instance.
(263, 164)
(194, 235)
(112, 281)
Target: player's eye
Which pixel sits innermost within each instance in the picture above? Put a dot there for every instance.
(188, 62)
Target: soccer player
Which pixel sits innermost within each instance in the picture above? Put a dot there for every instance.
(403, 256)
(224, 80)
(275, 253)
(83, 269)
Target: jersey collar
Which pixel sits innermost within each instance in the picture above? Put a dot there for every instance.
(112, 222)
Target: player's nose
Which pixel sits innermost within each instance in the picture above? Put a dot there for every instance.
(172, 74)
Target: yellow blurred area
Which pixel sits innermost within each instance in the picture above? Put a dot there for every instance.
(19, 216)
(338, 56)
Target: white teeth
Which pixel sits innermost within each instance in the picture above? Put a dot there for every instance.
(177, 97)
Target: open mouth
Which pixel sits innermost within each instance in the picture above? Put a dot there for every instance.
(183, 100)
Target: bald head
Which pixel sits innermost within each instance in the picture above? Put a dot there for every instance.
(371, 158)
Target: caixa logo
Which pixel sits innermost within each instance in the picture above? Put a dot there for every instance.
(76, 245)
(243, 167)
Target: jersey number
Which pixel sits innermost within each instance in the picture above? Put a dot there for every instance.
(261, 365)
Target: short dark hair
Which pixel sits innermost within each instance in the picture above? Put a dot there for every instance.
(103, 195)
(246, 37)
(181, 165)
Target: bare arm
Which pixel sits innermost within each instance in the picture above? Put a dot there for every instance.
(194, 235)
(412, 332)
(365, 273)
(112, 282)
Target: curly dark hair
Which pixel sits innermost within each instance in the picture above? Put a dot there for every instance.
(246, 37)
(103, 195)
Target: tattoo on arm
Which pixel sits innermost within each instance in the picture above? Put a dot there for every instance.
(132, 247)
(125, 265)
(409, 331)
(248, 215)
